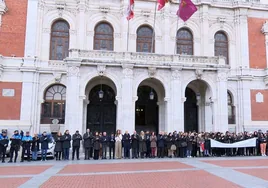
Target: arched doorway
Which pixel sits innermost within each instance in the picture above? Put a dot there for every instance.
(101, 110)
(198, 112)
(190, 111)
(146, 110)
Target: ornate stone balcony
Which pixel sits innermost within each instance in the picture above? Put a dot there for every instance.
(144, 59)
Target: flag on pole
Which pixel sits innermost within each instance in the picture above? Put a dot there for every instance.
(161, 3)
(186, 9)
(130, 10)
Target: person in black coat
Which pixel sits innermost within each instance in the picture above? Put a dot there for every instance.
(35, 147)
(111, 145)
(126, 141)
(104, 142)
(3, 145)
(148, 144)
(96, 146)
(135, 145)
(44, 145)
(66, 144)
(88, 144)
(160, 145)
(58, 146)
(76, 144)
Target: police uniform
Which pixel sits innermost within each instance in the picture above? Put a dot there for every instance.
(15, 146)
(3, 144)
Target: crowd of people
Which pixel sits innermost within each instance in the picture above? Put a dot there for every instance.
(116, 146)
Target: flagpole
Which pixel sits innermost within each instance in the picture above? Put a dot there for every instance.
(152, 47)
(127, 34)
(177, 27)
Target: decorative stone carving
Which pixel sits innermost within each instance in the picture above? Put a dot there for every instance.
(117, 35)
(73, 32)
(198, 73)
(104, 10)
(146, 13)
(151, 72)
(259, 97)
(176, 74)
(128, 72)
(221, 21)
(46, 30)
(3, 10)
(90, 33)
(264, 28)
(222, 76)
(57, 77)
(73, 71)
(101, 69)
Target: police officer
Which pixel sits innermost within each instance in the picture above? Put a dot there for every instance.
(15, 146)
(26, 146)
(3, 144)
(76, 144)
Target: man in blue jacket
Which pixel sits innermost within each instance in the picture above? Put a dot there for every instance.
(26, 146)
(15, 146)
(3, 144)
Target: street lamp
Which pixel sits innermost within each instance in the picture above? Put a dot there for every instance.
(151, 95)
(101, 93)
(198, 96)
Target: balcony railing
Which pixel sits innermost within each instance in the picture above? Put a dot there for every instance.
(96, 56)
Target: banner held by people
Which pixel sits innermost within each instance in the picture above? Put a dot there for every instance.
(186, 9)
(241, 144)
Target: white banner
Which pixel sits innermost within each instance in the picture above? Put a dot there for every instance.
(241, 144)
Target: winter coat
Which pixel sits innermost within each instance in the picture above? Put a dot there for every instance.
(76, 140)
(44, 141)
(35, 144)
(58, 146)
(88, 140)
(126, 140)
(160, 141)
(142, 144)
(169, 142)
(66, 141)
(153, 140)
(97, 143)
(134, 141)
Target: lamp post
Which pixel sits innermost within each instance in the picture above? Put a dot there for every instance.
(151, 95)
(101, 93)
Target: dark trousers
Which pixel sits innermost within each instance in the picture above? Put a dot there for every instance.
(12, 151)
(111, 150)
(3, 152)
(160, 152)
(104, 151)
(134, 153)
(75, 150)
(66, 153)
(126, 152)
(58, 155)
(87, 155)
(27, 151)
(96, 154)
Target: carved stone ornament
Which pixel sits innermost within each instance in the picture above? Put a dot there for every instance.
(3, 10)
(73, 71)
(117, 35)
(57, 77)
(128, 72)
(151, 72)
(101, 69)
(222, 76)
(259, 97)
(90, 33)
(73, 32)
(46, 30)
(264, 28)
(104, 10)
(176, 74)
(198, 73)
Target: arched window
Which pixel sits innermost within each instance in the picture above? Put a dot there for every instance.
(144, 39)
(231, 109)
(104, 37)
(54, 105)
(59, 40)
(221, 45)
(184, 42)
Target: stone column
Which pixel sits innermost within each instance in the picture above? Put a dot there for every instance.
(205, 32)
(73, 116)
(265, 32)
(161, 115)
(208, 116)
(221, 110)
(82, 25)
(126, 106)
(176, 115)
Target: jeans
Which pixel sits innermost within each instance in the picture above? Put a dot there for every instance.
(43, 154)
(189, 153)
(34, 155)
(206, 153)
(66, 153)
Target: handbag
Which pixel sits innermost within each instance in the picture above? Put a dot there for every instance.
(173, 147)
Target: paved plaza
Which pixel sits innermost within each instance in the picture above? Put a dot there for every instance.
(249, 172)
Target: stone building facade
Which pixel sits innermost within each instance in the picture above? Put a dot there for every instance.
(69, 64)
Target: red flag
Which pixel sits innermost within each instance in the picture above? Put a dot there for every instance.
(130, 10)
(161, 4)
(186, 9)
